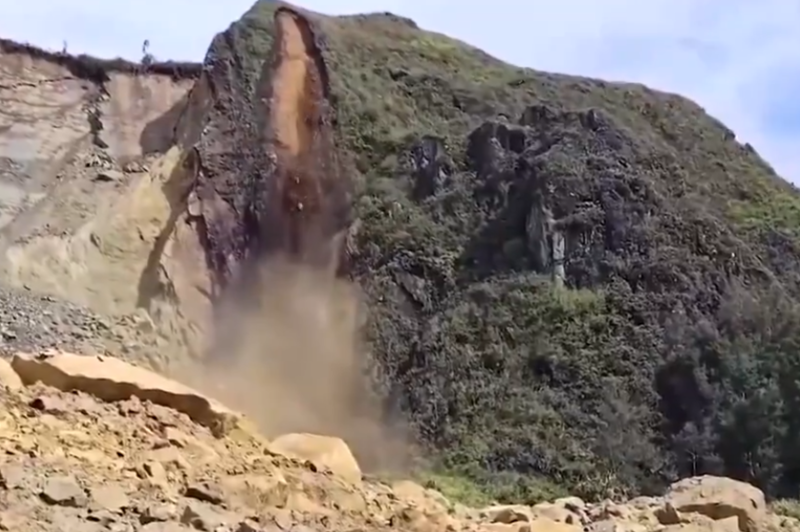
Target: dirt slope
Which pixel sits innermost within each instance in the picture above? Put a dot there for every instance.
(64, 128)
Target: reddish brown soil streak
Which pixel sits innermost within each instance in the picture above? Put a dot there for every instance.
(302, 143)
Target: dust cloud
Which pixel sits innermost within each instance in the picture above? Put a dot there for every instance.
(292, 359)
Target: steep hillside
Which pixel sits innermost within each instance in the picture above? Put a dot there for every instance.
(80, 141)
(570, 283)
(679, 263)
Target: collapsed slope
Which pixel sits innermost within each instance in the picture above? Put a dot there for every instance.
(81, 175)
(569, 278)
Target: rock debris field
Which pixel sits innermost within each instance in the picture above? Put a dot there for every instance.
(90, 443)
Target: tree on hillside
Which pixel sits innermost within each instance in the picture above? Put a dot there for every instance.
(147, 58)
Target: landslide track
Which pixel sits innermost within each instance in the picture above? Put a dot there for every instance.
(218, 253)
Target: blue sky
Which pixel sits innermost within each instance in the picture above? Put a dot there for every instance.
(740, 59)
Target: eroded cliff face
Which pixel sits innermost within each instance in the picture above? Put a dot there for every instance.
(127, 188)
(81, 161)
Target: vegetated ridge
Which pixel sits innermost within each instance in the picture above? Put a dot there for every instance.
(96, 69)
(572, 284)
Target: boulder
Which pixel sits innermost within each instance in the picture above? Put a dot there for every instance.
(718, 498)
(507, 514)
(429, 500)
(111, 379)
(564, 512)
(324, 451)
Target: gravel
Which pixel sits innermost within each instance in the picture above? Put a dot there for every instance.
(33, 322)
(30, 321)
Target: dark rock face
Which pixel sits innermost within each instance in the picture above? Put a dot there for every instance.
(259, 196)
(430, 166)
(573, 175)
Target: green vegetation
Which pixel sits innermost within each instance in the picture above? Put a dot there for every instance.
(786, 508)
(673, 349)
(463, 488)
(779, 211)
(460, 489)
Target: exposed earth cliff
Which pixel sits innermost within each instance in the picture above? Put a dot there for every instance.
(565, 283)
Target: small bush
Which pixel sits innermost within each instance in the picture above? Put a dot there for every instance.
(786, 508)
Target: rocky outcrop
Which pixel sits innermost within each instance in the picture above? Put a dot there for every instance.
(270, 179)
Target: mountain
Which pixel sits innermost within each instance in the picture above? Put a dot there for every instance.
(570, 283)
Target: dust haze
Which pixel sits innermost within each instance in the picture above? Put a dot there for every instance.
(292, 359)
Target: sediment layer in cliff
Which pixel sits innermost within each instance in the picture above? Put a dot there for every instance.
(82, 157)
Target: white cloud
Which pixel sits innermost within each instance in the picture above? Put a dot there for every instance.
(738, 58)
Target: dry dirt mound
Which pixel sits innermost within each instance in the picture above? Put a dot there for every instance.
(72, 462)
(92, 444)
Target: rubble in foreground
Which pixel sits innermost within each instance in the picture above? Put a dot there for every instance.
(95, 444)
